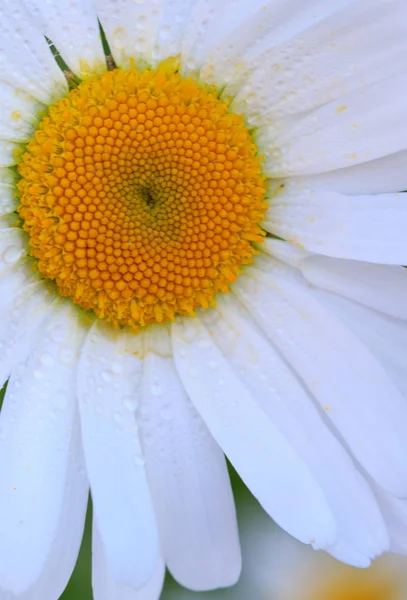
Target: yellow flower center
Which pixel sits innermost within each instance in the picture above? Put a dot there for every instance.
(141, 194)
(380, 582)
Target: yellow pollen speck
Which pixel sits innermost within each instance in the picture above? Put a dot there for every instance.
(15, 115)
(341, 109)
(142, 195)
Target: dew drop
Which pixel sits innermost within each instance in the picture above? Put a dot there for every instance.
(66, 356)
(156, 389)
(117, 367)
(47, 360)
(38, 374)
(57, 333)
(86, 399)
(193, 372)
(138, 460)
(130, 403)
(189, 334)
(107, 375)
(118, 418)
(165, 32)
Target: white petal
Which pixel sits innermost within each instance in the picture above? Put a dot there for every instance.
(13, 245)
(26, 60)
(365, 227)
(261, 369)
(108, 378)
(8, 201)
(146, 31)
(7, 177)
(357, 44)
(196, 515)
(348, 382)
(174, 22)
(349, 555)
(395, 514)
(230, 35)
(265, 460)
(36, 433)
(383, 288)
(73, 27)
(9, 153)
(386, 174)
(106, 588)
(19, 115)
(284, 251)
(24, 304)
(385, 336)
(67, 540)
(356, 128)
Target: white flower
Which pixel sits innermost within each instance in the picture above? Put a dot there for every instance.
(298, 375)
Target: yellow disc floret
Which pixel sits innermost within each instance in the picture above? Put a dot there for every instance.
(141, 194)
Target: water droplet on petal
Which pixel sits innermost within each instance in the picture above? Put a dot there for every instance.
(156, 389)
(38, 374)
(86, 399)
(130, 403)
(57, 333)
(118, 418)
(189, 333)
(139, 460)
(46, 359)
(117, 367)
(107, 375)
(66, 356)
(193, 372)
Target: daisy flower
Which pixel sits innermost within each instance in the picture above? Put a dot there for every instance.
(200, 242)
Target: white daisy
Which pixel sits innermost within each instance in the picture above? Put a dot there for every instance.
(138, 197)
